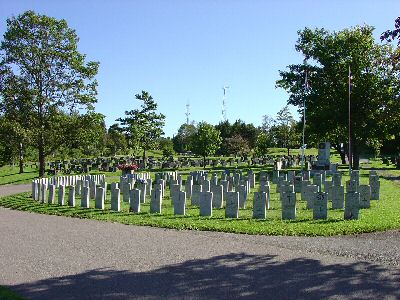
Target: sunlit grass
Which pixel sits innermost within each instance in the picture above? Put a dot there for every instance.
(383, 215)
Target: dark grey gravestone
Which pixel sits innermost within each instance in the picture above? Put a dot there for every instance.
(352, 206)
(71, 196)
(135, 200)
(115, 200)
(61, 195)
(365, 196)
(337, 197)
(320, 209)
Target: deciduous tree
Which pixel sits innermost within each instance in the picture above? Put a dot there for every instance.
(375, 86)
(183, 141)
(41, 52)
(207, 140)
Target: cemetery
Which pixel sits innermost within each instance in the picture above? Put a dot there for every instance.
(279, 177)
(262, 200)
(319, 157)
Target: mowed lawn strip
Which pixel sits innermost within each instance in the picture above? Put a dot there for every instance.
(384, 214)
(7, 294)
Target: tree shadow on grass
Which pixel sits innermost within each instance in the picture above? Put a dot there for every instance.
(379, 168)
(236, 275)
(391, 178)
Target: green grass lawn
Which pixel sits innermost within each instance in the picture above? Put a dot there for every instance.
(7, 294)
(11, 175)
(383, 214)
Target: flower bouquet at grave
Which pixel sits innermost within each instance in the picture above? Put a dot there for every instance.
(128, 168)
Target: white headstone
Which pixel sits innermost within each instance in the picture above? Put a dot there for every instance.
(44, 193)
(71, 196)
(243, 194)
(260, 205)
(232, 205)
(149, 186)
(35, 190)
(180, 204)
(174, 192)
(134, 201)
(218, 196)
(52, 193)
(206, 199)
(196, 190)
(289, 206)
(78, 189)
(85, 197)
(115, 200)
(266, 189)
(312, 191)
(99, 203)
(92, 185)
(156, 199)
(61, 195)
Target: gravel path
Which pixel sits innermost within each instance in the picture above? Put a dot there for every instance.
(52, 257)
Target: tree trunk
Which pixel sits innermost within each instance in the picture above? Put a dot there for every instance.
(144, 158)
(21, 159)
(288, 151)
(42, 157)
(356, 158)
(204, 162)
(342, 152)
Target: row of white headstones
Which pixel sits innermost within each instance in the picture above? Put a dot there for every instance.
(209, 194)
(357, 196)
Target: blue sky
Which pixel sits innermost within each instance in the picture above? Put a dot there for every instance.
(185, 51)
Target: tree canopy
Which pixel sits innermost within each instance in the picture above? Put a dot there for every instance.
(328, 57)
(143, 126)
(208, 139)
(184, 140)
(391, 35)
(42, 67)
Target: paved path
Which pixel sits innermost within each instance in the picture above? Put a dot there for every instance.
(10, 189)
(51, 257)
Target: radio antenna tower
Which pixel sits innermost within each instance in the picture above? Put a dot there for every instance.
(187, 113)
(225, 88)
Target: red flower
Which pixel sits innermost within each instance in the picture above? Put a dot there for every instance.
(128, 167)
